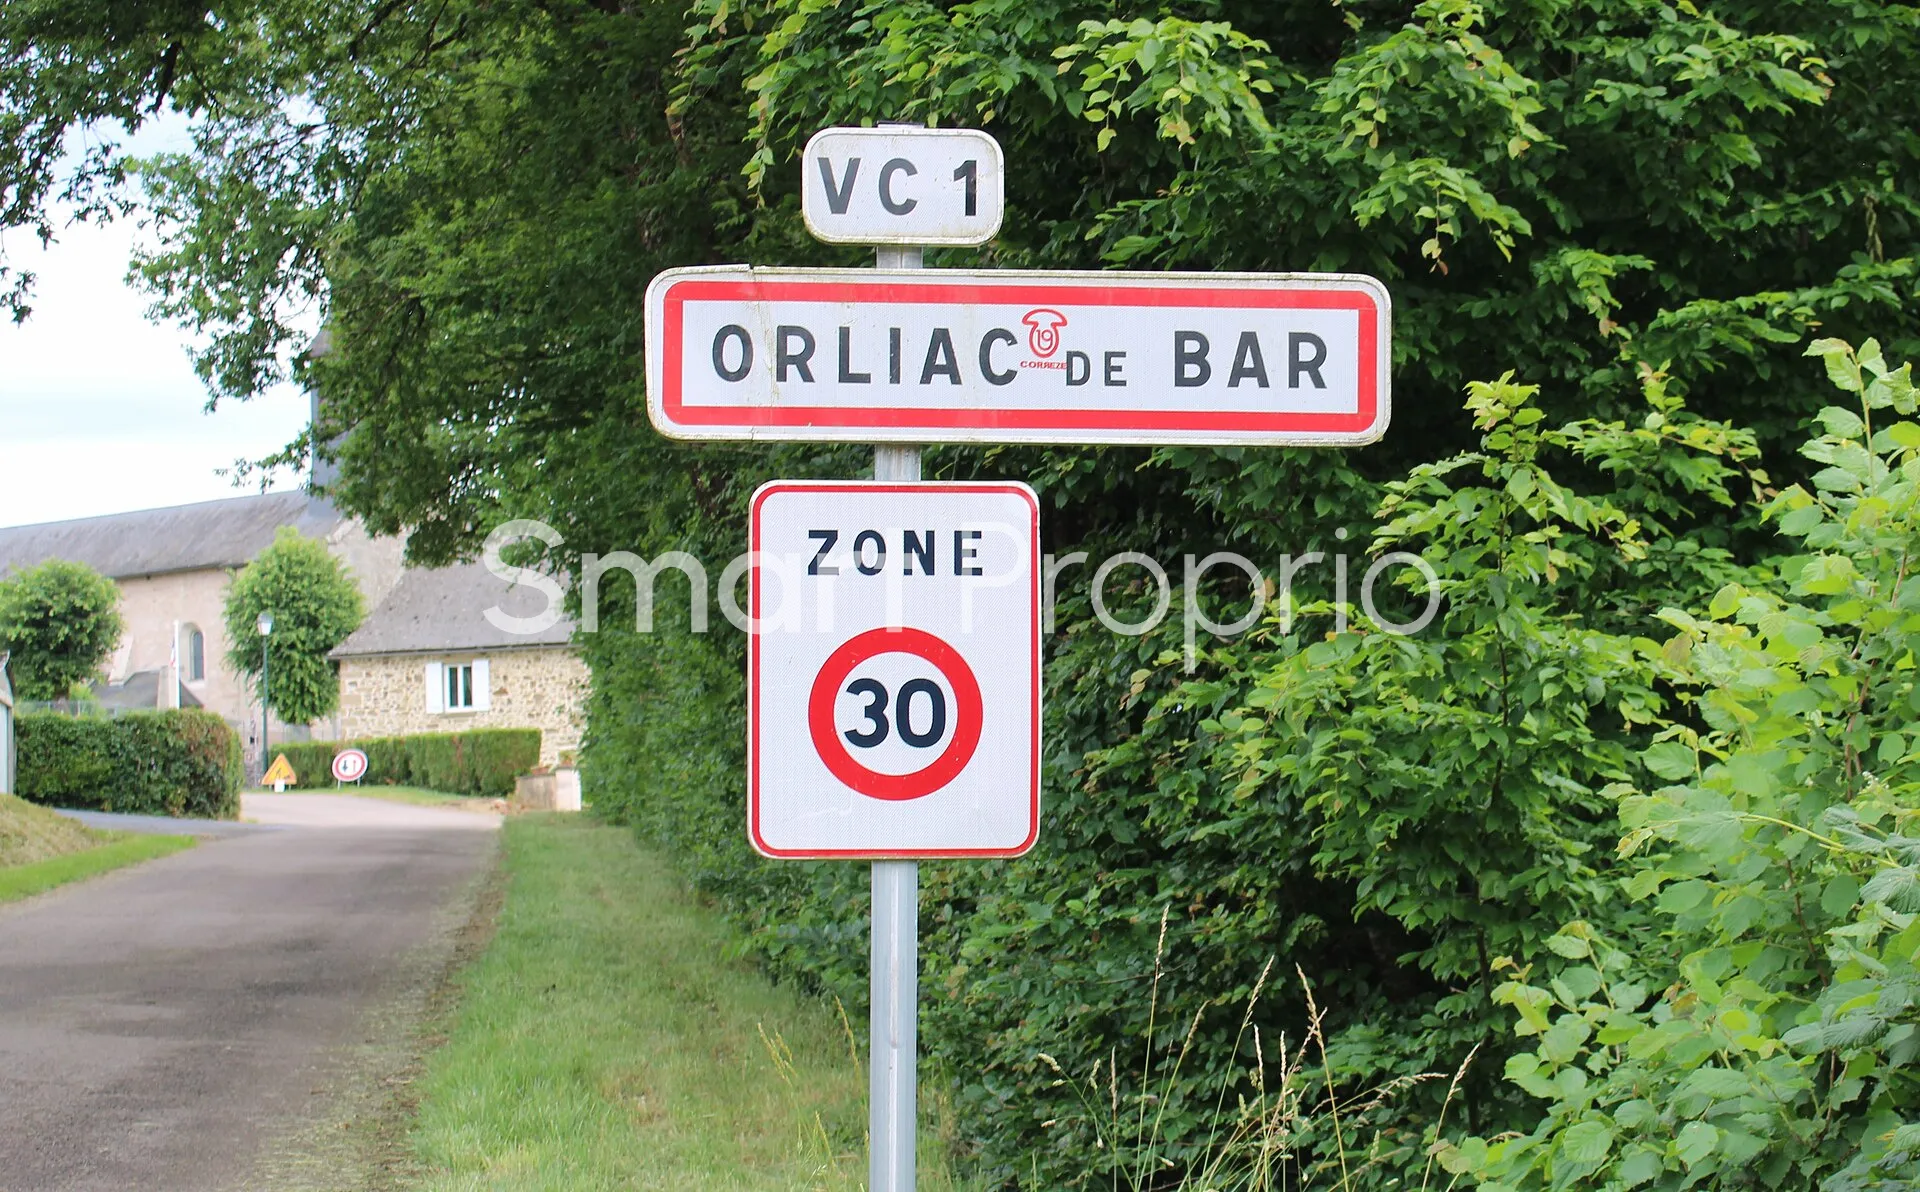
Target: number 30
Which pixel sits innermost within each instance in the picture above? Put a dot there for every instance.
(876, 712)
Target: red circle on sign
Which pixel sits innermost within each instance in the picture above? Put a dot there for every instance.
(349, 765)
(895, 788)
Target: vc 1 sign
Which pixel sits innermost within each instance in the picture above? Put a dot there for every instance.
(898, 185)
(736, 352)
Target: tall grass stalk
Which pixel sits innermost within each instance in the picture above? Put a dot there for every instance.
(1262, 1142)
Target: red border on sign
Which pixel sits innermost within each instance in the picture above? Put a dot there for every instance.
(753, 673)
(1360, 301)
(344, 753)
(895, 788)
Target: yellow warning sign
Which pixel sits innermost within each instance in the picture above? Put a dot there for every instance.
(280, 773)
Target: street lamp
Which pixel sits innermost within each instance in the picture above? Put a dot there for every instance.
(265, 625)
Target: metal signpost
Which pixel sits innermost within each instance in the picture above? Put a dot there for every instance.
(894, 653)
(893, 711)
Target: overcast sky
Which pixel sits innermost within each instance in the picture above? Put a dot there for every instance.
(100, 410)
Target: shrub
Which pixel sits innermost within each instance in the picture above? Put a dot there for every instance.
(433, 762)
(1739, 1010)
(180, 763)
(312, 761)
(494, 759)
(387, 761)
(484, 761)
(315, 604)
(61, 621)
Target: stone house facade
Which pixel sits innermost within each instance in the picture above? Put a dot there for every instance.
(172, 567)
(430, 659)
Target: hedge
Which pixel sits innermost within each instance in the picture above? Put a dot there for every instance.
(483, 761)
(180, 763)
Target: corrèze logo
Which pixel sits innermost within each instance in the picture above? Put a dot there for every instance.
(1043, 331)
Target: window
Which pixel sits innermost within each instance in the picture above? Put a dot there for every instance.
(461, 685)
(193, 655)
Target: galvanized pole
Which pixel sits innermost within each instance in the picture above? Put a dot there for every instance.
(892, 1110)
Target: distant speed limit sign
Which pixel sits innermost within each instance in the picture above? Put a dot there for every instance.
(349, 765)
(894, 670)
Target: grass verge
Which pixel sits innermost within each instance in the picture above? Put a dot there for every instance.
(24, 881)
(29, 833)
(605, 1040)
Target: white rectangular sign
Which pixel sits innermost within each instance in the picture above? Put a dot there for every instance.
(894, 185)
(893, 670)
(923, 356)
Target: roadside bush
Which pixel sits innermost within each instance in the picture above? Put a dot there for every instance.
(433, 761)
(387, 760)
(312, 761)
(484, 761)
(493, 760)
(1387, 813)
(1739, 1009)
(179, 763)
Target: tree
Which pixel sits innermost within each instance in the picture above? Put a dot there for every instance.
(61, 621)
(315, 604)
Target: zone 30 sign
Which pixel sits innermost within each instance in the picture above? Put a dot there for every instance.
(737, 352)
(893, 670)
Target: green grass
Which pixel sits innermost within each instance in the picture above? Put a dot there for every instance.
(605, 1041)
(30, 833)
(34, 877)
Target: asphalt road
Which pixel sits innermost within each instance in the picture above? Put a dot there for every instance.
(164, 1027)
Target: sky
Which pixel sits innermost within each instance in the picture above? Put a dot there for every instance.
(100, 410)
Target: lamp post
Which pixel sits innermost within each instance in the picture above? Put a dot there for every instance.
(265, 625)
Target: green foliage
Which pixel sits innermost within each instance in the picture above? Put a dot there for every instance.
(61, 622)
(387, 760)
(184, 762)
(315, 604)
(1746, 1016)
(481, 761)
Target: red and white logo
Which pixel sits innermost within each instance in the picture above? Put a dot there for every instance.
(1043, 331)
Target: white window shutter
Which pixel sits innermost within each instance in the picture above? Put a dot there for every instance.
(482, 685)
(436, 687)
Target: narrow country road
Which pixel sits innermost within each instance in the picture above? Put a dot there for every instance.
(163, 1027)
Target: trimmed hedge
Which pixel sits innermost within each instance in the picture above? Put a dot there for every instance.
(484, 761)
(180, 763)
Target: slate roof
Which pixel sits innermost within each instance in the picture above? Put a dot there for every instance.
(211, 534)
(444, 610)
(141, 689)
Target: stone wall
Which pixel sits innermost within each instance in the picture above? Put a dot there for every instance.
(155, 608)
(537, 687)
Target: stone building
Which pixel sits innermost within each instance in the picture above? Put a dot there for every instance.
(455, 648)
(427, 658)
(172, 566)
